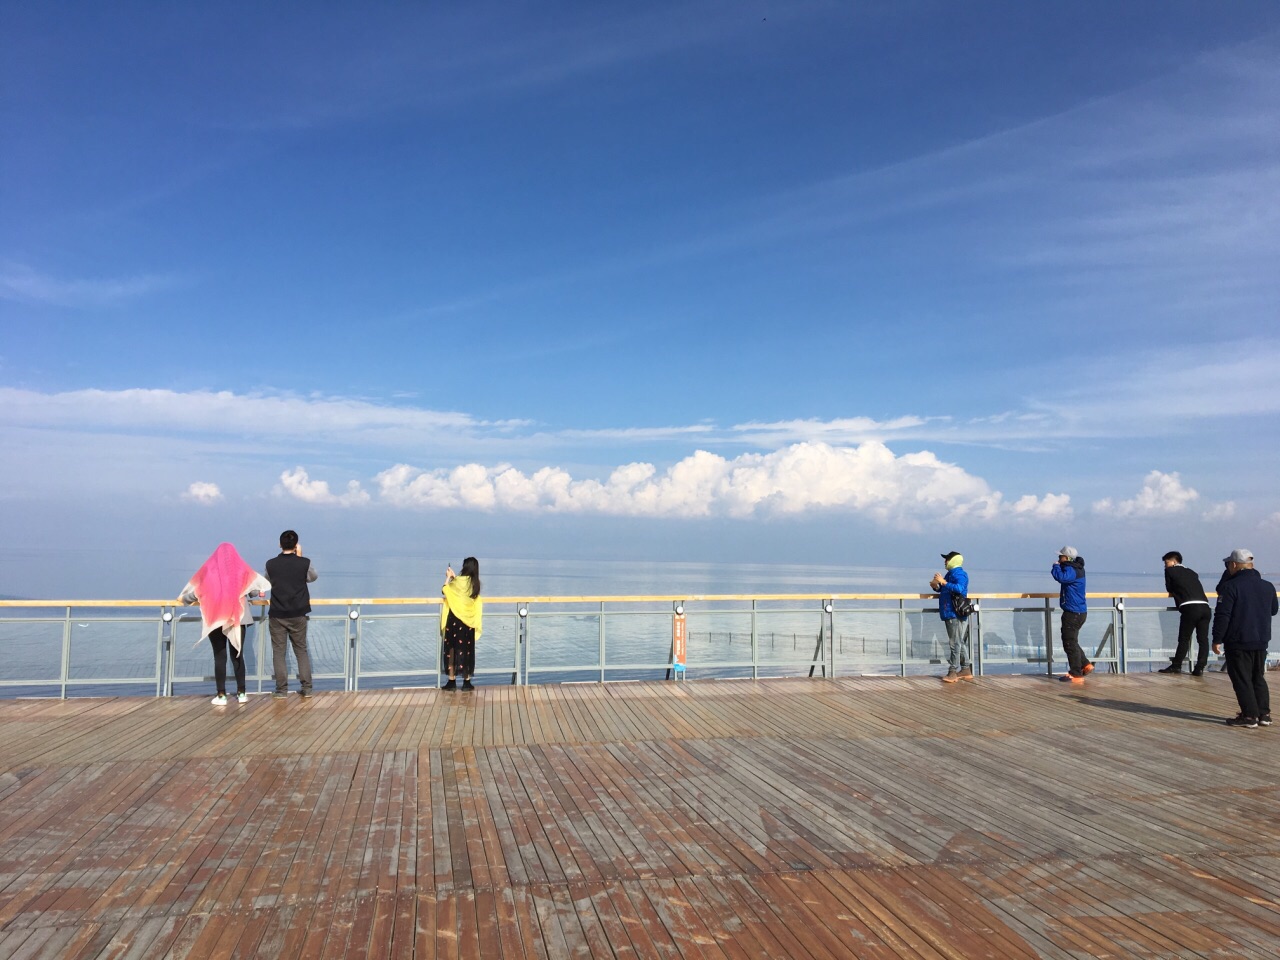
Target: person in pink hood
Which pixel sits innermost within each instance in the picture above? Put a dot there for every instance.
(223, 586)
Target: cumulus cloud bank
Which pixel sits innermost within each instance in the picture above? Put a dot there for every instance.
(867, 479)
(1161, 494)
(297, 484)
(203, 492)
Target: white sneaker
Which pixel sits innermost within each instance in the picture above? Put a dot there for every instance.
(220, 700)
(242, 698)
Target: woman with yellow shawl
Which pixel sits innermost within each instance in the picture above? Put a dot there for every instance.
(460, 621)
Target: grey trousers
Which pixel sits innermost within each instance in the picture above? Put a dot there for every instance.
(290, 630)
(958, 641)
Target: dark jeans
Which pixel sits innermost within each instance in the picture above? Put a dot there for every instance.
(293, 631)
(1071, 624)
(220, 647)
(1248, 672)
(1193, 617)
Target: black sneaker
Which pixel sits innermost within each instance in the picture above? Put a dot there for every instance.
(1240, 720)
(306, 694)
(1264, 720)
(1171, 668)
(1198, 672)
(451, 685)
(279, 695)
(466, 685)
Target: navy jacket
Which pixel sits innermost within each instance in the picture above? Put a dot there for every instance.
(957, 585)
(1242, 618)
(1071, 576)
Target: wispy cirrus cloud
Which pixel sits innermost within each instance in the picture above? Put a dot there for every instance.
(23, 284)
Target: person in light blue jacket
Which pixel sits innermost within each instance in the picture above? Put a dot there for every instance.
(1069, 572)
(954, 583)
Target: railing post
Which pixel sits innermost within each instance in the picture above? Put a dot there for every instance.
(165, 617)
(902, 637)
(755, 644)
(66, 652)
(975, 639)
(1122, 634)
(602, 641)
(353, 639)
(829, 607)
(1048, 635)
(522, 613)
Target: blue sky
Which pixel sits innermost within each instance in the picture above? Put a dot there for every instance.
(850, 282)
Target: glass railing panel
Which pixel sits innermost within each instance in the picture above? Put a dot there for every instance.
(32, 650)
(638, 643)
(1152, 635)
(1013, 637)
(112, 650)
(564, 647)
(405, 644)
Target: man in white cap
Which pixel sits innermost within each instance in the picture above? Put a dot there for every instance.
(1242, 625)
(1069, 572)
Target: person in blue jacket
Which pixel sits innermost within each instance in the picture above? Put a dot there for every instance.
(1069, 572)
(1242, 624)
(954, 583)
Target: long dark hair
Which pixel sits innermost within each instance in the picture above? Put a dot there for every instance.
(471, 568)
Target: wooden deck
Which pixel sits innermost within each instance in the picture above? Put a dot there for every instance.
(1010, 817)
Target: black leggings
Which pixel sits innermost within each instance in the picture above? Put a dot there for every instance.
(220, 647)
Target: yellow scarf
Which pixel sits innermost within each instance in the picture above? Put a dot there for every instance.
(457, 597)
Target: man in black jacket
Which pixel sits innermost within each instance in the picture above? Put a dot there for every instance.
(289, 574)
(1242, 624)
(1183, 584)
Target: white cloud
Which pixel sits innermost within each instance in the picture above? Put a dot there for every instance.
(203, 492)
(20, 283)
(839, 430)
(320, 419)
(1221, 511)
(1161, 494)
(867, 479)
(1052, 506)
(295, 483)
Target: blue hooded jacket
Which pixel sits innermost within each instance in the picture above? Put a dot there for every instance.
(957, 585)
(1071, 576)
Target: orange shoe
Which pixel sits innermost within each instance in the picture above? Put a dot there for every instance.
(1088, 669)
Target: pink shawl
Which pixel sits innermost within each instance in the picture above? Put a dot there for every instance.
(220, 586)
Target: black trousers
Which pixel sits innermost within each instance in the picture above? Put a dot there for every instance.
(1248, 672)
(1194, 617)
(220, 647)
(1071, 624)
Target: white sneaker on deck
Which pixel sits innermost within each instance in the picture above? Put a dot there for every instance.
(242, 698)
(220, 700)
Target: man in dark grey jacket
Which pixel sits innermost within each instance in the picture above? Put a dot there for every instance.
(1242, 624)
(289, 574)
(1183, 584)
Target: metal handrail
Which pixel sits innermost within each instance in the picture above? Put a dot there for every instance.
(906, 647)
